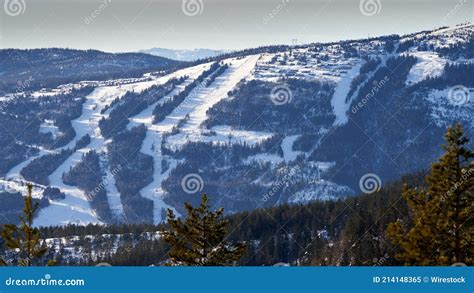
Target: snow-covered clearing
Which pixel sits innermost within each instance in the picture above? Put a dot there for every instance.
(301, 63)
(224, 134)
(289, 154)
(287, 146)
(273, 159)
(16, 185)
(146, 116)
(320, 190)
(48, 127)
(429, 64)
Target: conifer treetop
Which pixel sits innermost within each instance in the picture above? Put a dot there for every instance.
(199, 240)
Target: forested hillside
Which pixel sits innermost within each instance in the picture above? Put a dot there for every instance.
(256, 128)
(26, 70)
(343, 232)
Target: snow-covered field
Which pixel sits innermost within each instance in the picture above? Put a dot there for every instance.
(289, 154)
(273, 159)
(224, 134)
(17, 185)
(449, 36)
(319, 190)
(49, 127)
(429, 64)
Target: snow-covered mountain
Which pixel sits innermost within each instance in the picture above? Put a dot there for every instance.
(183, 55)
(33, 69)
(280, 125)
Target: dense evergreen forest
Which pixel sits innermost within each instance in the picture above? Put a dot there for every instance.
(344, 232)
(421, 219)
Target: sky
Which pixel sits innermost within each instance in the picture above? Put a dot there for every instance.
(132, 25)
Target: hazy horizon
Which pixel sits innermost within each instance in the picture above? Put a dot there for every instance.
(125, 26)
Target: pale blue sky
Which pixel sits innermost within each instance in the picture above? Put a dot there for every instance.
(121, 25)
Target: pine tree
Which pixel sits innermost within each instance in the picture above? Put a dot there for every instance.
(442, 229)
(25, 239)
(200, 239)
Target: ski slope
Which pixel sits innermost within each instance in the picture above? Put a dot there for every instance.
(113, 195)
(75, 208)
(152, 143)
(195, 106)
(201, 100)
(14, 173)
(339, 102)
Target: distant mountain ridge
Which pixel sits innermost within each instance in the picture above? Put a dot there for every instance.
(183, 54)
(32, 69)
